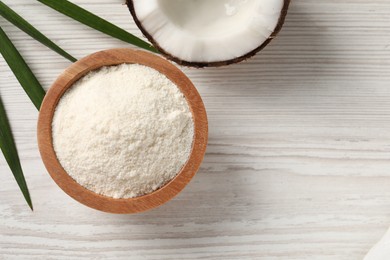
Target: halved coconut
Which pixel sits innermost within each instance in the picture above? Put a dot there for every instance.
(204, 33)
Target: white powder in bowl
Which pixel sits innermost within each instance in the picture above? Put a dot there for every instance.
(123, 131)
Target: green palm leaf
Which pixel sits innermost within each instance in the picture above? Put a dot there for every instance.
(21, 70)
(83, 16)
(8, 147)
(25, 26)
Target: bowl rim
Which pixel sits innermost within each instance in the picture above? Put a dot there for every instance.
(112, 57)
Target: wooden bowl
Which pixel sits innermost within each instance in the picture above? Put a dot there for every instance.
(92, 199)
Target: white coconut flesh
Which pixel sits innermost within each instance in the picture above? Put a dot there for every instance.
(208, 30)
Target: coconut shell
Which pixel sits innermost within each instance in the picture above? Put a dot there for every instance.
(195, 64)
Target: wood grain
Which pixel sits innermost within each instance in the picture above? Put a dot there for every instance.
(114, 57)
(297, 165)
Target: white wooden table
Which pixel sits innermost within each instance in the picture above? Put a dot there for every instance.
(298, 163)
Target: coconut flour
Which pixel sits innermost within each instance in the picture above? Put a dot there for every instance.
(123, 131)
